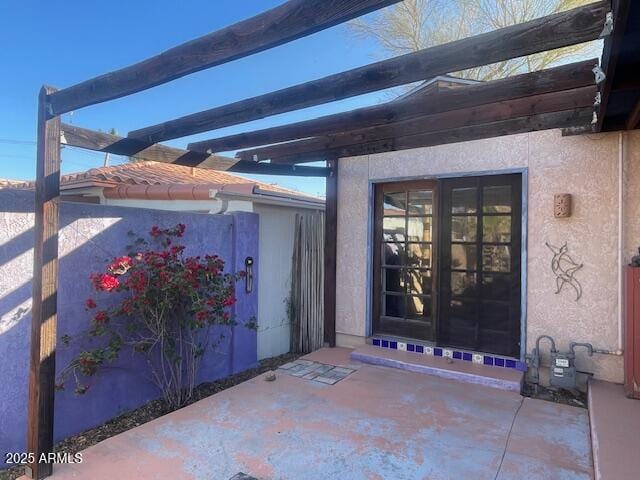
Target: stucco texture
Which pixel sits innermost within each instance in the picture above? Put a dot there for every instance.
(585, 166)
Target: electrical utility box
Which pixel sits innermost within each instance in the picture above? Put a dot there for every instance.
(563, 370)
(632, 330)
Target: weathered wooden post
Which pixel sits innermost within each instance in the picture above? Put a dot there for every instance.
(45, 288)
(330, 239)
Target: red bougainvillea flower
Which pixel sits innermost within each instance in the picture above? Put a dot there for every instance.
(101, 318)
(108, 283)
(120, 265)
(90, 303)
(228, 301)
(155, 231)
(180, 230)
(125, 308)
(104, 282)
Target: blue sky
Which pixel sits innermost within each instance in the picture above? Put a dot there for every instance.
(63, 43)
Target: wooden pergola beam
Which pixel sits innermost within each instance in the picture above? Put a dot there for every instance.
(284, 23)
(610, 55)
(545, 121)
(535, 105)
(44, 315)
(633, 120)
(105, 142)
(563, 29)
(565, 77)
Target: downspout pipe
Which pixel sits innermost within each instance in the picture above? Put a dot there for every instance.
(621, 232)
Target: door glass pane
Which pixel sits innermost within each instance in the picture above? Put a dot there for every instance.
(464, 229)
(419, 229)
(421, 202)
(463, 284)
(419, 307)
(395, 203)
(463, 316)
(497, 199)
(419, 255)
(464, 257)
(393, 280)
(464, 200)
(496, 325)
(496, 287)
(393, 253)
(393, 229)
(394, 306)
(496, 228)
(496, 258)
(419, 281)
(494, 316)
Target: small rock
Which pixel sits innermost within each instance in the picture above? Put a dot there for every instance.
(270, 377)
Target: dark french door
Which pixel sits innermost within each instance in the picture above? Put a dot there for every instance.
(404, 260)
(447, 262)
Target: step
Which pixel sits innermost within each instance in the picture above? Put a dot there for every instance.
(460, 370)
(615, 429)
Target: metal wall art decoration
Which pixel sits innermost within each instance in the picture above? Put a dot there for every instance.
(565, 268)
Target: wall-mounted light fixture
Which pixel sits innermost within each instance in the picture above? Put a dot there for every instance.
(562, 205)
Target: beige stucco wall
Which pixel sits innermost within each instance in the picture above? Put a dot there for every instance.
(585, 166)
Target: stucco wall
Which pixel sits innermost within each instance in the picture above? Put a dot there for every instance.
(585, 166)
(277, 228)
(276, 243)
(89, 236)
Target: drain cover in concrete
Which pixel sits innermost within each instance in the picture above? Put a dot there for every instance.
(316, 371)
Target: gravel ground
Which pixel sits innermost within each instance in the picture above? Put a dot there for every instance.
(574, 398)
(152, 410)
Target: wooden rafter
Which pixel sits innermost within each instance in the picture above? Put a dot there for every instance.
(105, 142)
(545, 121)
(454, 119)
(610, 55)
(284, 23)
(633, 121)
(566, 77)
(563, 29)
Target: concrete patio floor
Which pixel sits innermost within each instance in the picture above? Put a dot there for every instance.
(377, 423)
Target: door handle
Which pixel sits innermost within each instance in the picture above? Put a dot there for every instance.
(248, 278)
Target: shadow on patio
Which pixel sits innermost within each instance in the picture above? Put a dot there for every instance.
(378, 422)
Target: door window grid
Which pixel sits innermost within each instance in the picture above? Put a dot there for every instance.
(481, 241)
(406, 254)
(481, 263)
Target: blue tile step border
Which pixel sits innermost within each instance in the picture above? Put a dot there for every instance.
(464, 371)
(484, 359)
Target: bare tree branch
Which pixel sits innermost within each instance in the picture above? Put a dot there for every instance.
(416, 24)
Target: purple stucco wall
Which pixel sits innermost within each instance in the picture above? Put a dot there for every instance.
(91, 234)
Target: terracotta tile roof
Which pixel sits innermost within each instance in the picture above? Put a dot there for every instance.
(157, 173)
(8, 183)
(173, 177)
